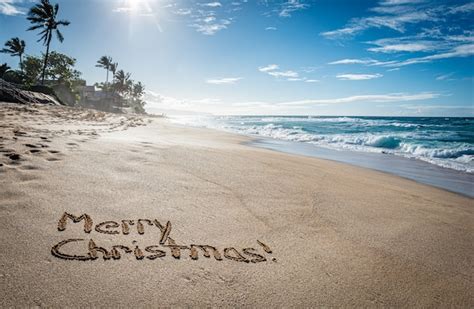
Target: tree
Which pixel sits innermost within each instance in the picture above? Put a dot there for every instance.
(15, 47)
(44, 16)
(32, 67)
(60, 67)
(137, 92)
(113, 69)
(4, 69)
(105, 62)
(122, 82)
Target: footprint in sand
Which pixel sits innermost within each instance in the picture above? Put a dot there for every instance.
(30, 167)
(31, 146)
(53, 159)
(13, 156)
(19, 133)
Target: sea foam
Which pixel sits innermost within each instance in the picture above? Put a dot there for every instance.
(446, 142)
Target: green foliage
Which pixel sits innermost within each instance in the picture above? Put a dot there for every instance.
(60, 67)
(43, 16)
(105, 62)
(136, 102)
(32, 67)
(14, 76)
(122, 82)
(4, 68)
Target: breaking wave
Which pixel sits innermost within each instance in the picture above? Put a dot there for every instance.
(446, 142)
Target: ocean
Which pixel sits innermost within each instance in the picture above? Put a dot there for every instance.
(447, 143)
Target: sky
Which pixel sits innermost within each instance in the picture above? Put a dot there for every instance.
(289, 57)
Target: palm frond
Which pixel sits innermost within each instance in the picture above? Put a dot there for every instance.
(59, 35)
(63, 22)
(35, 27)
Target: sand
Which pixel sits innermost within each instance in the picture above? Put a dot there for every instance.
(330, 234)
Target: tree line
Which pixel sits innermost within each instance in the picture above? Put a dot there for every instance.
(58, 68)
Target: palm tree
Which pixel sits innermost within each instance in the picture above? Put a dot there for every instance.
(105, 62)
(113, 69)
(14, 47)
(138, 90)
(122, 81)
(44, 16)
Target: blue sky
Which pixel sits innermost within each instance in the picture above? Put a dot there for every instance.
(387, 57)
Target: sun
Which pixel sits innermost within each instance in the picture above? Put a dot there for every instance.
(135, 5)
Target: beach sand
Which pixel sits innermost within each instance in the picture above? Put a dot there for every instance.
(339, 235)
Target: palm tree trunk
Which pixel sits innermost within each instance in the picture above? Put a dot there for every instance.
(107, 84)
(21, 62)
(46, 59)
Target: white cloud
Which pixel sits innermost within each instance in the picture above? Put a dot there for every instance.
(353, 61)
(224, 81)
(399, 2)
(288, 73)
(291, 6)
(398, 14)
(465, 8)
(445, 76)
(212, 4)
(271, 28)
(395, 22)
(358, 76)
(183, 12)
(207, 20)
(465, 50)
(410, 47)
(210, 25)
(161, 103)
(368, 62)
(273, 70)
(268, 68)
(9, 7)
(369, 98)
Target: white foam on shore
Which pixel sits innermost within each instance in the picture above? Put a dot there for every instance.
(459, 156)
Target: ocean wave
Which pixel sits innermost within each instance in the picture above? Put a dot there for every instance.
(423, 141)
(458, 157)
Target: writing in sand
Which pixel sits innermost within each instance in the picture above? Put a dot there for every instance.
(68, 249)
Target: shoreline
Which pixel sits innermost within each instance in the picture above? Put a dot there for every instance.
(422, 172)
(339, 235)
(435, 176)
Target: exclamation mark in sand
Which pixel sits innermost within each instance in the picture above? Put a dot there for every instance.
(266, 249)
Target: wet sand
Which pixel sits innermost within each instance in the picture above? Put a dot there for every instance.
(288, 230)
